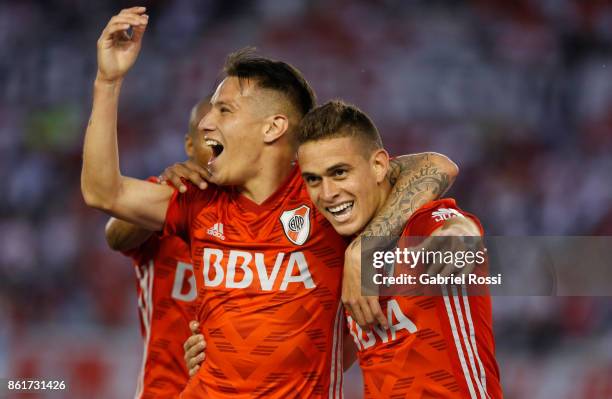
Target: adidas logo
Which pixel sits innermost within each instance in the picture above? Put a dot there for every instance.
(445, 214)
(216, 231)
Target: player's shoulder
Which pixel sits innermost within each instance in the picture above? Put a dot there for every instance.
(196, 198)
(435, 212)
(197, 192)
(442, 206)
(442, 203)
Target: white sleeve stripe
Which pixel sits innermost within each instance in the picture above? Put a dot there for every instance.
(466, 341)
(150, 294)
(468, 316)
(146, 311)
(451, 316)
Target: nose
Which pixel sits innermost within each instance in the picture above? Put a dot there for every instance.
(207, 123)
(329, 190)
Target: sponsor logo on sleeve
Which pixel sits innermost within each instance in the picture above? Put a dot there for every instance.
(444, 214)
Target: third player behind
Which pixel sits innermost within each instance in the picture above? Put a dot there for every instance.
(166, 287)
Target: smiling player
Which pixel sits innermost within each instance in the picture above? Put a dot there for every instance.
(436, 346)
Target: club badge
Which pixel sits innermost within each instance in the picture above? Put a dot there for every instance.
(296, 224)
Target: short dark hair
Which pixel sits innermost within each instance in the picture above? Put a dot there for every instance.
(338, 119)
(273, 75)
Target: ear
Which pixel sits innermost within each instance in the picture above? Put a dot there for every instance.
(380, 164)
(276, 126)
(188, 146)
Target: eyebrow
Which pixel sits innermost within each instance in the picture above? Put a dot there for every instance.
(339, 165)
(329, 170)
(227, 103)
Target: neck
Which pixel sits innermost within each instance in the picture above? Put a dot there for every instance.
(384, 190)
(274, 168)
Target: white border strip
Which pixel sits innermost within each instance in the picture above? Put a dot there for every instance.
(468, 316)
(451, 316)
(466, 341)
(146, 311)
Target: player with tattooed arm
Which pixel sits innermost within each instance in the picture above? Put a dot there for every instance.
(437, 346)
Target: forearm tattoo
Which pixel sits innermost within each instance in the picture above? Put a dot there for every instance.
(416, 181)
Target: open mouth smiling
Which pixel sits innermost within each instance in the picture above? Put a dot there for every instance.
(342, 211)
(216, 147)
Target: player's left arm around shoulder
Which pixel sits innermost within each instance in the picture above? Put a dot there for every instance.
(416, 180)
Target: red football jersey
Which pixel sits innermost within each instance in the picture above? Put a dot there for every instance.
(167, 302)
(436, 346)
(270, 278)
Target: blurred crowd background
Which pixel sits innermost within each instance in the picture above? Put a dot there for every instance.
(518, 93)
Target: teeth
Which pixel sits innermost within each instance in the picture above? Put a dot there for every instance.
(211, 142)
(340, 207)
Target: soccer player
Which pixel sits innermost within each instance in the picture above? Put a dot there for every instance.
(166, 286)
(436, 346)
(269, 264)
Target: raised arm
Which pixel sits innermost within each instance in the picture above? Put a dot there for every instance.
(416, 179)
(102, 184)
